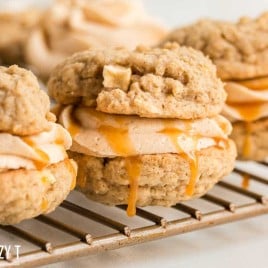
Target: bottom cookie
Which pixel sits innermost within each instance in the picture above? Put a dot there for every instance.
(251, 139)
(163, 178)
(29, 193)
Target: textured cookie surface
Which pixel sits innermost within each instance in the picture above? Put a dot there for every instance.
(24, 108)
(174, 82)
(163, 179)
(240, 50)
(251, 141)
(26, 194)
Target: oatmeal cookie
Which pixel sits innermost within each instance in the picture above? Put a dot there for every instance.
(170, 82)
(240, 50)
(163, 178)
(24, 108)
(29, 193)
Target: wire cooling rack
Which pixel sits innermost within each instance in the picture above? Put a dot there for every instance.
(80, 227)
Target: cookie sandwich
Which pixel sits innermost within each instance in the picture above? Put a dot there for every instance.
(36, 174)
(77, 25)
(240, 52)
(145, 124)
(15, 28)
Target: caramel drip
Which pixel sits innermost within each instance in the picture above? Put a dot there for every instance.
(28, 141)
(73, 128)
(193, 176)
(256, 84)
(223, 125)
(59, 140)
(248, 111)
(44, 158)
(133, 168)
(221, 142)
(245, 181)
(118, 139)
(247, 145)
(44, 204)
(173, 134)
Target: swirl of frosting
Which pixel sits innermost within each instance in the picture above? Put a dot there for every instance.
(34, 151)
(75, 25)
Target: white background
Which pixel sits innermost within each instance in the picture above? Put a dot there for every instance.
(176, 12)
(242, 244)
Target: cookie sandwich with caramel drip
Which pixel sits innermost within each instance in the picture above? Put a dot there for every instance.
(145, 124)
(240, 52)
(36, 174)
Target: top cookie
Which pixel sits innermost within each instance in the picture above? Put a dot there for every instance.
(170, 82)
(240, 50)
(24, 108)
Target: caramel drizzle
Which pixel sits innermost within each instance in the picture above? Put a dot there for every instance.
(73, 128)
(44, 204)
(120, 142)
(173, 134)
(245, 181)
(255, 84)
(249, 112)
(193, 162)
(133, 168)
(221, 142)
(39, 164)
(59, 141)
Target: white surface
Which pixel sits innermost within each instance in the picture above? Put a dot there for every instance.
(241, 244)
(177, 12)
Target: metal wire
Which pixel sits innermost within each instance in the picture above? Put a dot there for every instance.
(123, 235)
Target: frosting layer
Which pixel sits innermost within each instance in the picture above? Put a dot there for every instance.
(104, 135)
(35, 151)
(247, 100)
